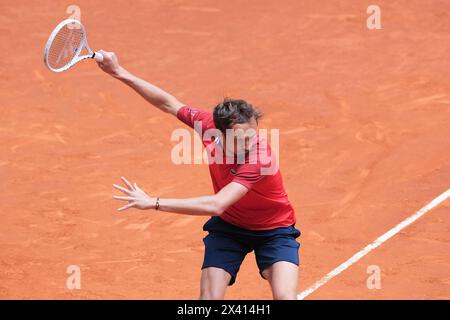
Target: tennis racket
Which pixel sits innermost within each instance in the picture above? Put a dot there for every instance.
(64, 46)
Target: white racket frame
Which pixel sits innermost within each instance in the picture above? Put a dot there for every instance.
(83, 43)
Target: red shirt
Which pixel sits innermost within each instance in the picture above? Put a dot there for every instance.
(266, 205)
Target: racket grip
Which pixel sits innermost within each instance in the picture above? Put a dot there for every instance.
(98, 57)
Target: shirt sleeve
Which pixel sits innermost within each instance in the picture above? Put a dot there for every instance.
(189, 115)
(248, 175)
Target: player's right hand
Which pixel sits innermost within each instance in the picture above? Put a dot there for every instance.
(110, 63)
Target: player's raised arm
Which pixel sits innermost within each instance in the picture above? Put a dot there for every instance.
(156, 96)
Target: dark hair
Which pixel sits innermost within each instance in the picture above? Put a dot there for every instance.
(232, 111)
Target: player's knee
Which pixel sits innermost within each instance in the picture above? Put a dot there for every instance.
(284, 295)
(211, 289)
(211, 294)
(213, 283)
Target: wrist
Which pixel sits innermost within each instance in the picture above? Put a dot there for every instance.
(154, 203)
(120, 73)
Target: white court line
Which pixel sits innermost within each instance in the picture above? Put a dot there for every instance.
(302, 295)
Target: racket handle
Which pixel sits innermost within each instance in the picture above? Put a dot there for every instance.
(98, 57)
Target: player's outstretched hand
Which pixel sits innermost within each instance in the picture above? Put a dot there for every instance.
(110, 63)
(135, 196)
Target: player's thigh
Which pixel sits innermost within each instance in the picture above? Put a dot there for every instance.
(214, 282)
(223, 257)
(283, 279)
(278, 261)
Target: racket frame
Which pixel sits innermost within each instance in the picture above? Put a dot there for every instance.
(83, 43)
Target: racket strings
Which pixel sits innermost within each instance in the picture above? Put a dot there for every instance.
(65, 46)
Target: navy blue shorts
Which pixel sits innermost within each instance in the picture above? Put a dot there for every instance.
(226, 246)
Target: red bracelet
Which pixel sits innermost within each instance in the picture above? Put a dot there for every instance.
(157, 203)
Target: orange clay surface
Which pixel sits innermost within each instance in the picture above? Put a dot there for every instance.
(365, 142)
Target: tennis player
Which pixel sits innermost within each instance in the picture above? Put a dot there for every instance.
(249, 210)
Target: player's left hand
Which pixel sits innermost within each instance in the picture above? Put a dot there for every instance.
(135, 196)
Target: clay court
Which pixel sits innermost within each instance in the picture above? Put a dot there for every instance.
(364, 143)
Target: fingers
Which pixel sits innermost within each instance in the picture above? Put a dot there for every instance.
(102, 53)
(131, 195)
(136, 187)
(127, 183)
(109, 63)
(127, 206)
(124, 198)
(98, 57)
(107, 55)
(123, 189)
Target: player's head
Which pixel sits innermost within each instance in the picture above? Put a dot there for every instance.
(238, 119)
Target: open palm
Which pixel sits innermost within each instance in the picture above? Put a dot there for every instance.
(135, 196)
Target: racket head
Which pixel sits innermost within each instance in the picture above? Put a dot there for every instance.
(63, 47)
